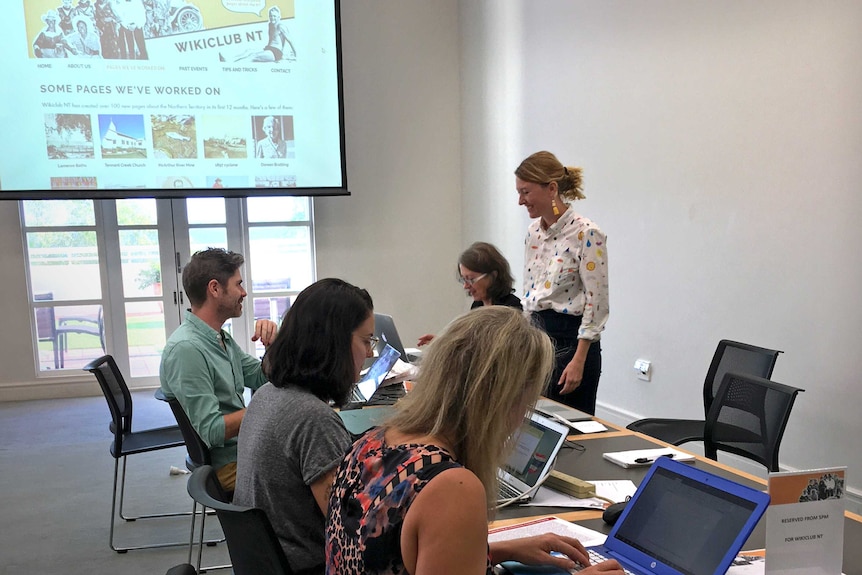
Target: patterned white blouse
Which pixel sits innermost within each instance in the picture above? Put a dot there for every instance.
(566, 270)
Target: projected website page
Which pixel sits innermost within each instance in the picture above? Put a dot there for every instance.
(169, 94)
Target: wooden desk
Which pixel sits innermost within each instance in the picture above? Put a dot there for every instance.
(589, 464)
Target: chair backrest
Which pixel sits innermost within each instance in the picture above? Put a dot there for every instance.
(117, 394)
(738, 358)
(748, 418)
(46, 324)
(253, 545)
(199, 453)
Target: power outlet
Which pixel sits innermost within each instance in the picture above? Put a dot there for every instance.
(643, 367)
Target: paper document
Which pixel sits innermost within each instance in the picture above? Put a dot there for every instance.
(588, 426)
(645, 457)
(399, 372)
(613, 490)
(547, 525)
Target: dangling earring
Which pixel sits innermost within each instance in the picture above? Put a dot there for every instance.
(554, 206)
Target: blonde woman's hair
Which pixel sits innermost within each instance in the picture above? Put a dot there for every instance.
(544, 168)
(476, 382)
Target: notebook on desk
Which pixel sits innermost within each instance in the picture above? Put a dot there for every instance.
(681, 521)
(535, 447)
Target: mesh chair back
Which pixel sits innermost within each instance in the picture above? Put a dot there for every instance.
(253, 545)
(117, 394)
(748, 418)
(199, 453)
(733, 356)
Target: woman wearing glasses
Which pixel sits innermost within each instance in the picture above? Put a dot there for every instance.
(291, 440)
(485, 274)
(565, 276)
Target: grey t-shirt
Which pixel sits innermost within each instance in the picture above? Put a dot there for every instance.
(289, 438)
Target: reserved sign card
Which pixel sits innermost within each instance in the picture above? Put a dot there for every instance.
(805, 522)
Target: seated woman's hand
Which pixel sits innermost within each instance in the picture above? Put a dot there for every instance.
(425, 339)
(537, 550)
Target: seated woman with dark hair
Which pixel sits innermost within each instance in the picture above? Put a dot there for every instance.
(485, 274)
(291, 440)
(414, 495)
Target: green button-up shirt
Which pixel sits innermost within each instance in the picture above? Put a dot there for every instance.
(208, 381)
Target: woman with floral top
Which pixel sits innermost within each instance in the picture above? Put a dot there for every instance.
(565, 276)
(413, 497)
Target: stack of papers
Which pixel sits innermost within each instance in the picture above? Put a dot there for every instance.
(614, 490)
(645, 457)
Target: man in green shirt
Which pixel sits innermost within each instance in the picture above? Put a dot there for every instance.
(203, 367)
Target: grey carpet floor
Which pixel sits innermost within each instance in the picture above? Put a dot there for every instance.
(55, 492)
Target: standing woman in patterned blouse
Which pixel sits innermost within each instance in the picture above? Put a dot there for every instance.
(565, 276)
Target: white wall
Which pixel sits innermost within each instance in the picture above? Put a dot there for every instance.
(721, 144)
(399, 234)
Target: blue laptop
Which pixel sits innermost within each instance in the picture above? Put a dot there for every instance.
(681, 521)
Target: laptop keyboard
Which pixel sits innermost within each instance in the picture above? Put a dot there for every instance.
(507, 492)
(596, 557)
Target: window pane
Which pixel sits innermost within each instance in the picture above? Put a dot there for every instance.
(59, 213)
(206, 210)
(276, 209)
(145, 328)
(139, 253)
(280, 258)
(69, 337)
(66, 264)
(203, 238)
(137, 212)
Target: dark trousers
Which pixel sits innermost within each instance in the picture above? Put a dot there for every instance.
(563, 331)
(128, 41)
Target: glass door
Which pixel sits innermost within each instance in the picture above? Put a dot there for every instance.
(106, 276)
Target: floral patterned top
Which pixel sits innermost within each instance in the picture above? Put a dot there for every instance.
(374, 487)
(566, 270)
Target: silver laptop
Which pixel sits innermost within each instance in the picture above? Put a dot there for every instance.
(681, 520)
(552, 408)
(384, 328)
(535, 447)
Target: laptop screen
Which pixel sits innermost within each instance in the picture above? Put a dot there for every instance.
(689, 523)
(534, 450)
(378, 371)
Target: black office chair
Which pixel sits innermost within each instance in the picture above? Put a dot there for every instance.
(198, 455)
(729, 356)
(748, 418)
(253, 545)
(127, 442)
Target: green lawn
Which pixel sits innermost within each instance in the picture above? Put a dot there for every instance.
(143, 331)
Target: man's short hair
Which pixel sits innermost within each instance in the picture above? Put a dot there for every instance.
(210, 264)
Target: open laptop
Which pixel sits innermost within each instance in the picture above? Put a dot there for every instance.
(370, 382)
(551, 408)
(535, 447)
(681, 521)
(384, 328)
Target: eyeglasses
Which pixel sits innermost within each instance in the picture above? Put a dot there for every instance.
(370, 342)
(471, 281)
